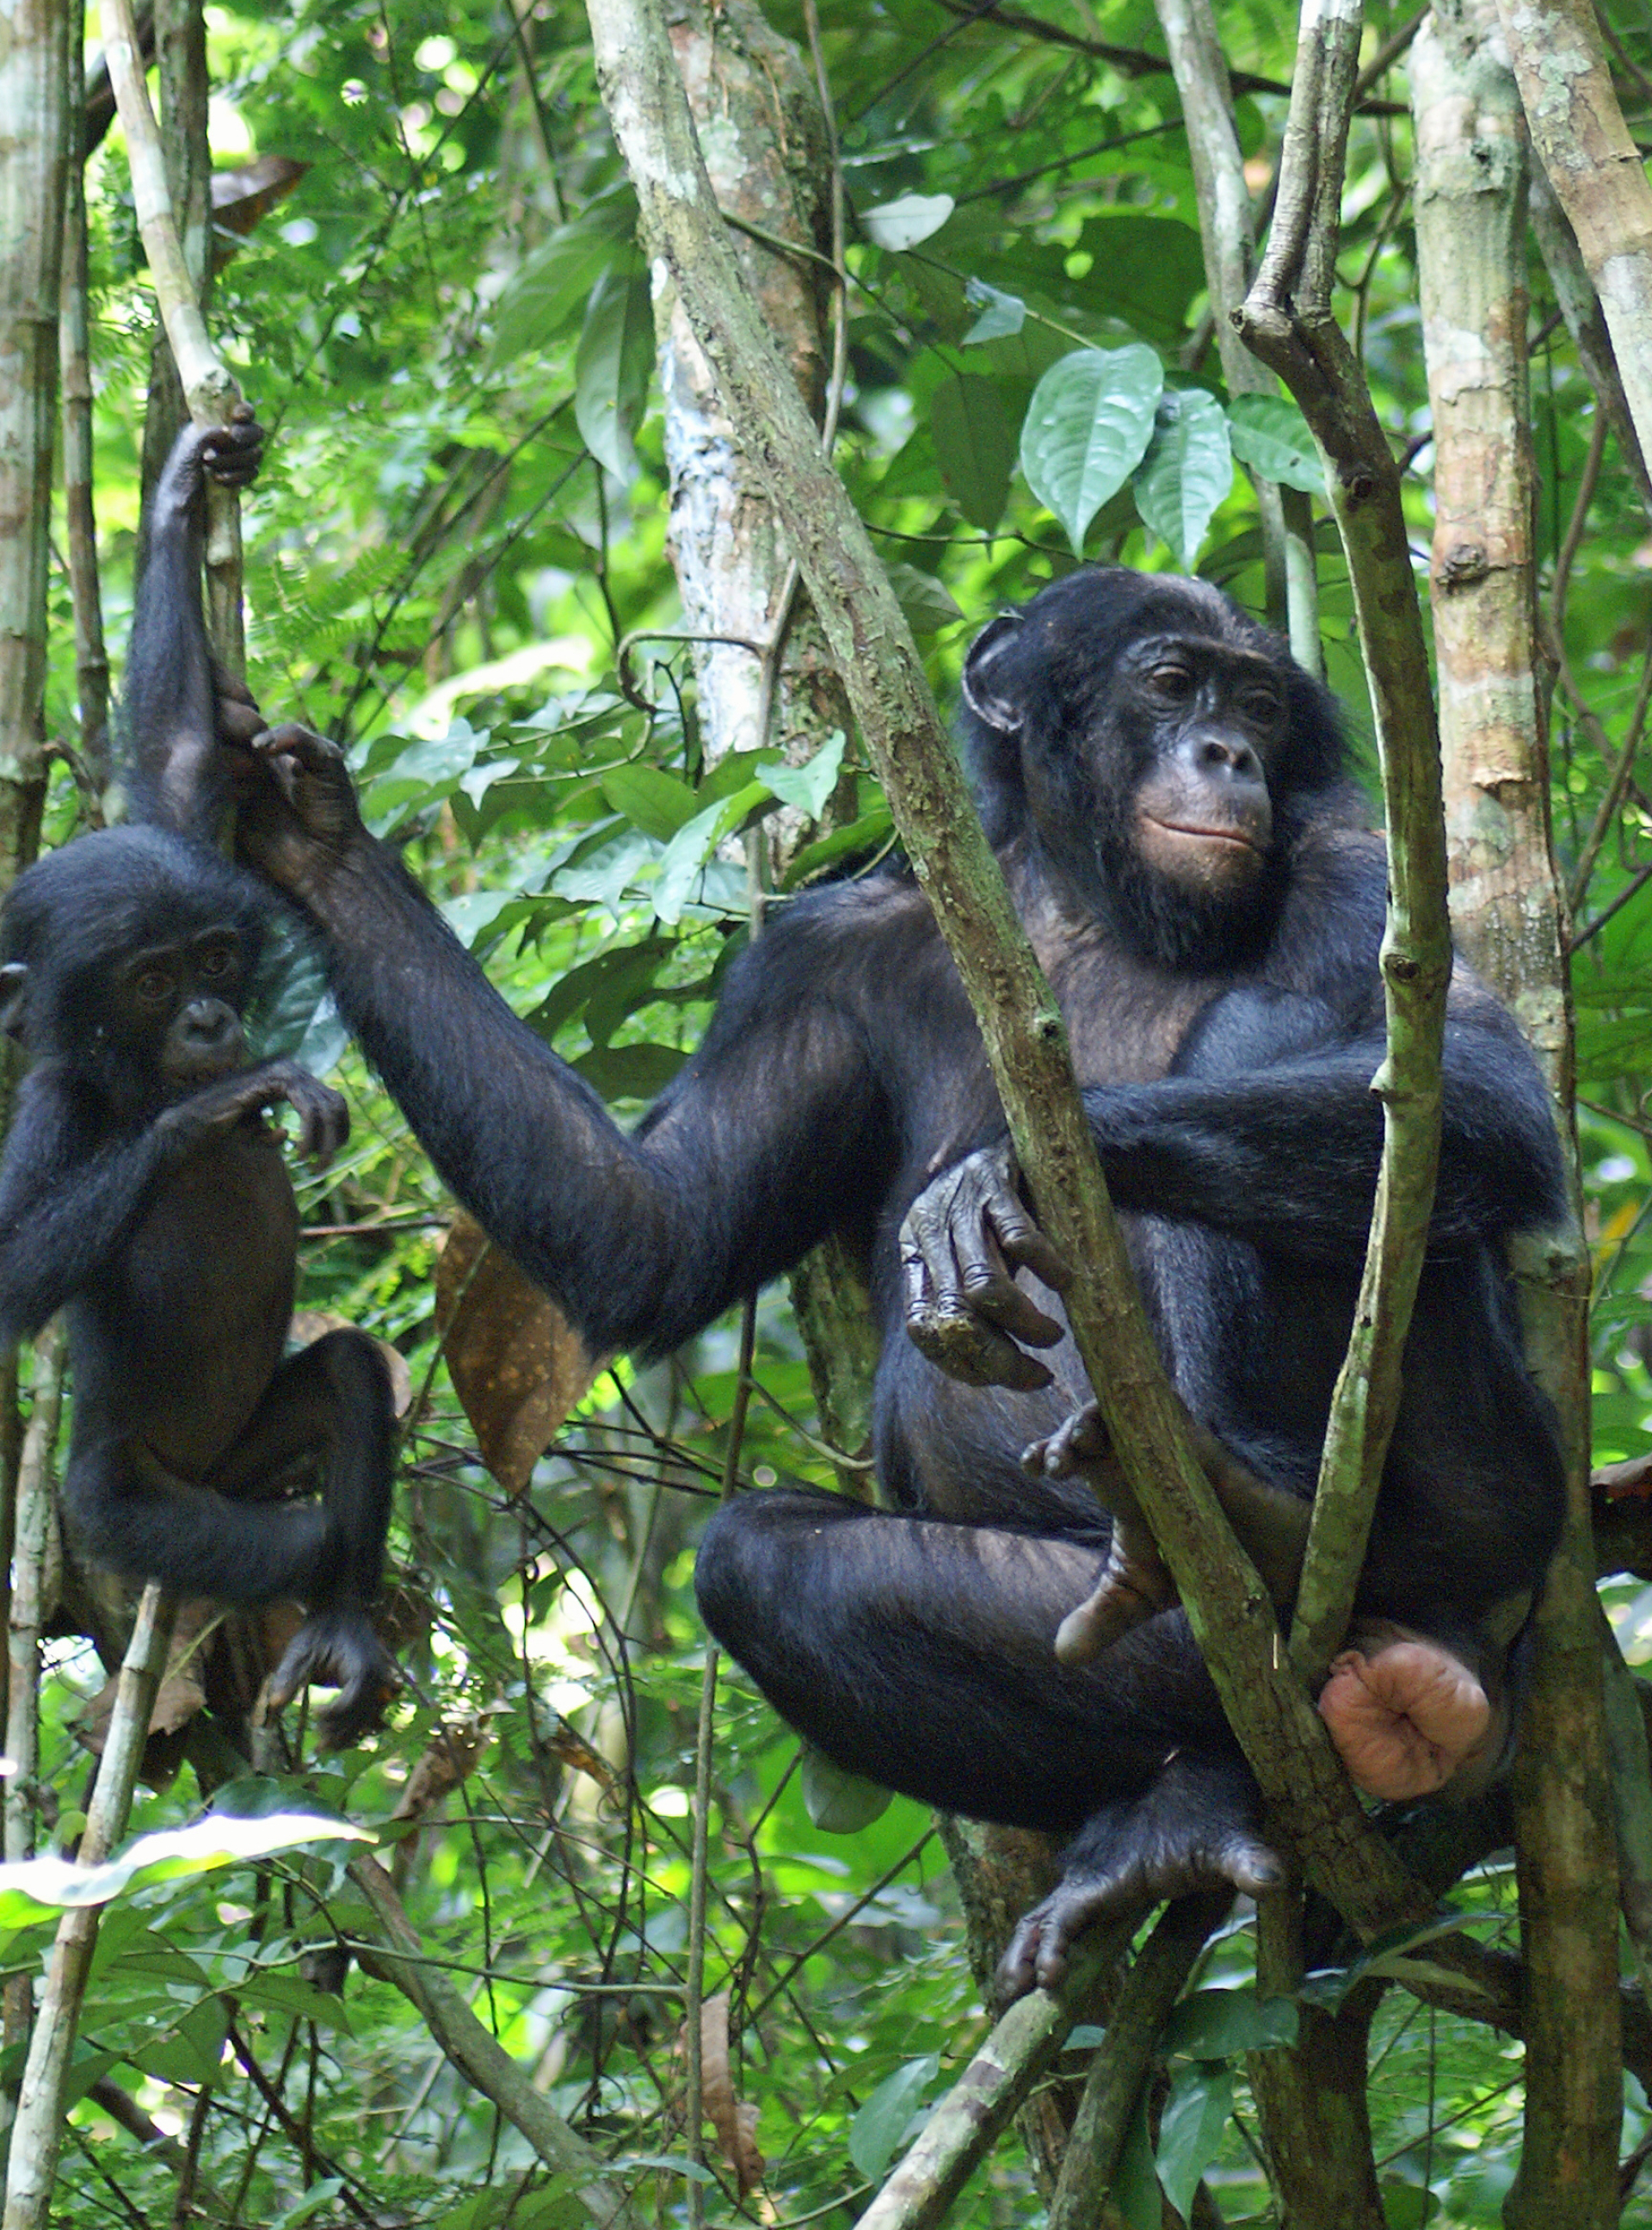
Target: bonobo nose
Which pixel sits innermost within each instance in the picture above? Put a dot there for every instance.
(1220, 756)
(209, 1025)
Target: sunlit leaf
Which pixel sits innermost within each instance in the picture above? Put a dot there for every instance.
(1001, 315)
(1187, 473)
(32, 1887)
(1271, 435)
(1087, 428)
(903, 223)
(557, 279)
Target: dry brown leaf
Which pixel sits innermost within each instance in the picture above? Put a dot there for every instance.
(574, 1750)
(241, 196)
(517, 1364)
(449, 1760)
(308, 1325)
(734, 2122)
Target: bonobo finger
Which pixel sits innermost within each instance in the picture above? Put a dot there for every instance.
(1022, 1241)
(238, 721)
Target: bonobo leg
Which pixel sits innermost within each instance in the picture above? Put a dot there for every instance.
(332, 1400)
(1270, 1522)
(917, 1652)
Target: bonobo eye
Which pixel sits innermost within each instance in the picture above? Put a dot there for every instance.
(1261, 705)
(1173, 683)
(155, 986)
(217, 962)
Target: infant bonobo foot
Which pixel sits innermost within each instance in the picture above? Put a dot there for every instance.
(1136, 1581)
(339, 1649)
(1408, 1716)
(1195, 1829)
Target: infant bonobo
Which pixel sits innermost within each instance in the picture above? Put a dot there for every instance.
(143, 1191)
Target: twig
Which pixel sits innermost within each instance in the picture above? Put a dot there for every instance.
(477, 2054)
(1123, 2060)
(37, 2132)
(968, 2120)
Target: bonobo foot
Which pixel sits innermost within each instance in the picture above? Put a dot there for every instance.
(338, 1648)
(1135, 1580)
(1407, 1716)
(1196, 1828)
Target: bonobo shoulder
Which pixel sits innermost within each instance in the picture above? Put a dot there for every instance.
(837, 942)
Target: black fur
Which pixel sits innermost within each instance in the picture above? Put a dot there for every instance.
(141, 1191)
(1226, 1050)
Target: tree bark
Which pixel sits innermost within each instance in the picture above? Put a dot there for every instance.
(34, 155)
(1580, 137)
(1510, 918)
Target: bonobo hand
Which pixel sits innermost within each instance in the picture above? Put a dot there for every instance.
(338, 1648)
(963, 1306)
(231, 455)
(323, 1119)
(296, 815)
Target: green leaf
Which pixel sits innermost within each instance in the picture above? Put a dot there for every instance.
(693, 845)
(869, 834)
(651, 800)
(903, 223)
(616, 354)
(34, 1886)
(1002, 315)
(1146, 271)
(631, 1071)
(1087, 428)
(927, 603)
(1190, 2130)
(318, 2196)
(1215, 2024)
(974, 445)
(1135, 2184)
(839, 1803)
(806, 787)
(558, 278)
(877, 2130)
(1271, 435)
(1406, 2206)
(1186, 471)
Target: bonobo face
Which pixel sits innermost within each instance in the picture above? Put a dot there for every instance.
(175, 1010)
(1201, 724)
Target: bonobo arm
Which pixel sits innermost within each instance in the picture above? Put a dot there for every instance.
(169, 700)
(772, 1135)
(69, 1199)
(1282, 1154)
(1286, 1155)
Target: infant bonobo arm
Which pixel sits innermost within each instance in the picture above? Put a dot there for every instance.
(170, 700)
(69, 1204)
(774, 1134)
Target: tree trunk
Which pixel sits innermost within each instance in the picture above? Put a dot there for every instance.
(1510, 916)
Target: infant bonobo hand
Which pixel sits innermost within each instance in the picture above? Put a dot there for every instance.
(323, 1119)
(296, 815)
(963, 1307)
(230, 455)
(338, 1648)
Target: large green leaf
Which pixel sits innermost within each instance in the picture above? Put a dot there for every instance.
(1213, 2024)
(839, 1802)
(1146, 271)
(903, 223)
(1087, 428)
(32, 1887)
(1186, 471)
(616, 354)
(1190, 2132)
(557, 279)
(1271, 435)
(974, 444)
(879, 2127)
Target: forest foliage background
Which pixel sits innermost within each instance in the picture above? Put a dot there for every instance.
(445, 322)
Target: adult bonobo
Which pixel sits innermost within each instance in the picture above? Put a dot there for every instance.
(1164, 789)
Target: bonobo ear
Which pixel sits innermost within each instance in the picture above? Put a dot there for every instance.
(14, 998)
(985, 702)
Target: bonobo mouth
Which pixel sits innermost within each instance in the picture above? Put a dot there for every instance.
(1235, 837)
